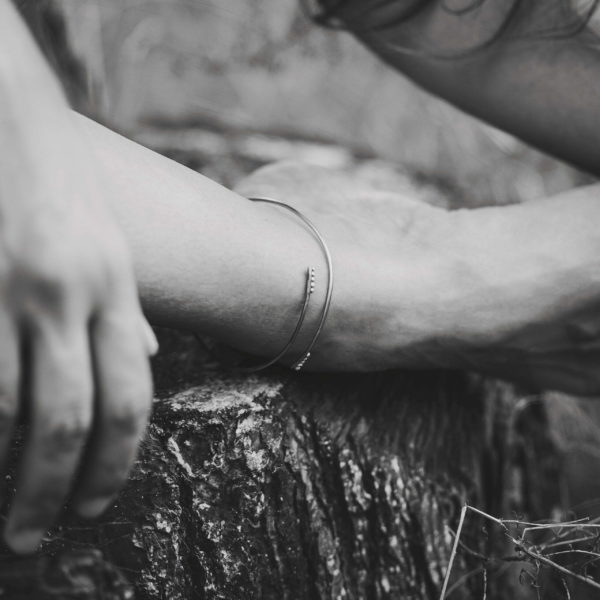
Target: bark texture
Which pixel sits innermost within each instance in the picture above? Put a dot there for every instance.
(300, 487)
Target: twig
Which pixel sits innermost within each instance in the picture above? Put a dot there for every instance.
(566, 588)
(586, 552)
(456, 585)
(484, 584)
(546, 561)
(468, 550)
(560, 526)
(525, 547)
(586, 538)
(461, 521)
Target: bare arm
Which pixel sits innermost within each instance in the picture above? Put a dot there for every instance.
(513, 291)
(209, 260)
(544, 91)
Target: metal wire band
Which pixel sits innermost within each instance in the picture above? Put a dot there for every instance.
(327, 305)
(309, 288)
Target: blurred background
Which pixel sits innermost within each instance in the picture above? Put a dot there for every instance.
(255, 81)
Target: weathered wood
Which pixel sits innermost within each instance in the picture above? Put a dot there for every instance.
(296, 487)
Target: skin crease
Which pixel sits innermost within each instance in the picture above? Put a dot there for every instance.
(83, 211)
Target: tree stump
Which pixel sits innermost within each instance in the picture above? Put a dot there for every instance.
(299, 487)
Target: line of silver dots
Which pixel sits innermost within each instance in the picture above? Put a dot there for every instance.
(312, 289)
(302, 362)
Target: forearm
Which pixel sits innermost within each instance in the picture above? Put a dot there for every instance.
(206, 260)
(525, 265)
(543, 91)
(210, 261)
(530, 284)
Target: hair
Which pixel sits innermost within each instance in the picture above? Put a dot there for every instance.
(525, 19)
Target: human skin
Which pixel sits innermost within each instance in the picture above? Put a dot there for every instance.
(71, 325)
(415, 286)
(513, 291)
(544, 91)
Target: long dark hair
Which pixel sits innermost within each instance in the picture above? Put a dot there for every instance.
(539, 19)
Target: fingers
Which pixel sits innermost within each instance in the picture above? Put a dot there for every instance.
(61, 416)
(61, 411)
(123, 385)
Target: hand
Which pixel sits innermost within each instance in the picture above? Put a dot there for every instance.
(74, 344)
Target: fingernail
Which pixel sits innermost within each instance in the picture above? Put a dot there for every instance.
(90, 509)
(24, 541)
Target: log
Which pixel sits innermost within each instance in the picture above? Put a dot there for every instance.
(300, 487)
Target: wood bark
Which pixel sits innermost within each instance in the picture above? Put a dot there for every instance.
(301, 487)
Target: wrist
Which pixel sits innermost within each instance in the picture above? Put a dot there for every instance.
(391, 306)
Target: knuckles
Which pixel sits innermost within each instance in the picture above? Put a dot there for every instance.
(66, 437)
(128, 418)
(43, 278)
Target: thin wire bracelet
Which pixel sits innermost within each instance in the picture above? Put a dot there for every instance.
(310, 287)
(297, 366)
